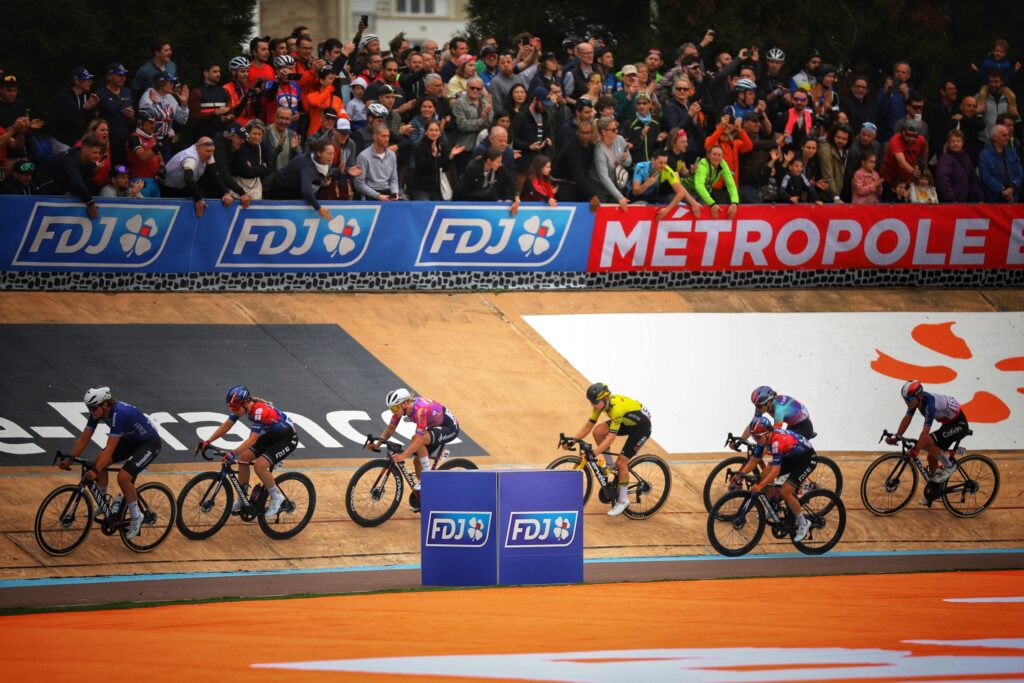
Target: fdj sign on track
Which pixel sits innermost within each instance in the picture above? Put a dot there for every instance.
(124, 236)
(541, 529)
(459, 529)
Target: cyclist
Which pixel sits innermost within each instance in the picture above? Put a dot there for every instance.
(133, 440)
(435, 426)
(792, 456)
(272, 439)
(946, 410)
(626, 417)
(783, 409)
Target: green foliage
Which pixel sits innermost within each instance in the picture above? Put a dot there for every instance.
(44, 40)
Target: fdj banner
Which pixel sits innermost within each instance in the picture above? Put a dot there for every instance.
(810, 237)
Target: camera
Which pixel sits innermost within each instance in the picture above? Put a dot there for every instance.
(294, 77)
(365, 20)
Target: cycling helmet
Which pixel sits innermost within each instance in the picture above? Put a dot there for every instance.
(911, 390)
(239, 63)
(745, 84)
(378, 110)
(96, 396)
(760, 425)
(597, 392)
(146, 114)
(283, 61)
(762, 395)
(236, 395)
(397, 397)
(775, 54)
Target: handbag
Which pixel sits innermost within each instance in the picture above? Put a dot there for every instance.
(621, 177)
(445, 184)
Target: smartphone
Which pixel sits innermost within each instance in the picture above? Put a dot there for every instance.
(28, 114)
(294, 77)
(365, 20)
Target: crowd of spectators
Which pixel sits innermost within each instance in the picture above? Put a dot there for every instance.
(319, 120)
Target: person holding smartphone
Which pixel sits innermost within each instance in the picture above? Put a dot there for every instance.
(76, 106)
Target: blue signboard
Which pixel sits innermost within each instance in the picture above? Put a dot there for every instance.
(458, 545)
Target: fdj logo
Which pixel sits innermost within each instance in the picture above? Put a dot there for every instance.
(124, 235)
(290, 237)
(541, 529)
(458, 529)
(486, 237)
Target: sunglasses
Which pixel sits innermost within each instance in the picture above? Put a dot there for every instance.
(475, 87)
(799, 99)
(683, 89)
(396, 409)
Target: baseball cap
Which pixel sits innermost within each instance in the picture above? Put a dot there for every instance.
(164, 77)
(752, 116)
(10, 81)
(326, 71)
(358, 81)
(642, 96)
(119, 170)
(343, 125)
(629, 70)
(329, 113)
(869, 126)
(24, 167)
(549, 55)
(237, 129)
(385, 90)
(116, 68)
(80, 73)
(543, 95)
(465, 58)
(488, 50)
(689, 60)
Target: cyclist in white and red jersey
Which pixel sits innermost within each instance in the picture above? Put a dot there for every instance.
(934, 407)
(272, 439)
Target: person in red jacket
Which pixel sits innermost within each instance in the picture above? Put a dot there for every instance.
(734, 141)
(316, 101)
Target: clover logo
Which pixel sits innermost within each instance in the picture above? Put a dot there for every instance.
(536, 241)
(341, 238)
(476, 529)
(562, 527)
(138, 240)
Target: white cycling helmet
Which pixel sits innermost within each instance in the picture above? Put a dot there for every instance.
(776, 55)
(237, 63)
(377, 109)
(96, 396)
(745, 84)
(283, 61)
(397, 397)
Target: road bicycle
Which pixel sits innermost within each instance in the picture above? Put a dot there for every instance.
(738, 519)
(826, 475)
(66, 515)
(376, 488)
(204, 504)
(650, 480)
(890, 481)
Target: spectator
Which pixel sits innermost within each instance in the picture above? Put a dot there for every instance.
(248, 165)
(746, 99)
(753, 168)
(923, 190)
(653, 62)
(243, 96)
(772, 86)
(283, 92)
(571, 170)
(1000, 169)
(656, 183)
(796, 123)
(457, 48)
(517, 100)
(376, 114)
(71, 172)
(824, 99)
(956, 179)
(12, 107)
(186, 176)
(259, 64)
(374, 69)
(812, 169)
(302, 177)
(575, 82)
(968, 121)
(707, 173)
(19, 182)
(425, 113)
(915, 112)
(866, 184)
(859, 107)
(465, 70)
(892, 101)
(995, 99)
(345, 168)
(356, 108)
(734, 141)
(165, 99)
(529, 130)
(122, 185)
(144, 160)
(625, 96)
(76, 107)
(281, 142)
(939, 115)
(996, 59)
(160, 63)
(548, 72)
(226, 147)
(832, 160)
(433, 159)
(99, 129)
(604, 61)
(308, 68)
(379, 179)
(795, 187)
(319, 102)
(644, 132)
(902, 156)
(328, 119)
(678, 154)
(611, 160)
(584, 112)
(117, 106)
(487, 65)
(389, 77)
(687, 114)
(486, 181)
(594, 85)
(537, 186)
(473, 113)
(865, 142)
(806, 78)
(278, 47)
(433, 87)
(209, 105)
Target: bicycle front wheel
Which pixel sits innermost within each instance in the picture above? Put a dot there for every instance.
(826, 475)
(650, 482)
(204, 505)
(827, 515)
(717, 483)
(973, 487)
(731, 533)
(63, 520)
(373, 493)
(888, 484)
(458, 464)
(572, 462)
(156, 505)
(296, 510)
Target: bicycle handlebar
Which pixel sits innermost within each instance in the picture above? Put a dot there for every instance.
(738, 442)
(86, 464)
(392, 447)
(909, 443)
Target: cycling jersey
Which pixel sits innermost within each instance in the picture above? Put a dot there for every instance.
(623, 412)
(425, 412)
(784, 445)
(945, 409)
(264, 417)
(786, 409)
(127, 422)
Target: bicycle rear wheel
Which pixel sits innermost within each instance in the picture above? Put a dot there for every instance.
(204, 505)
(827, 515)
(572, 462)
(717, 483)
(973, 487)
(373, 493)
(156, 505)
(888, 484)
(296, 510)
(826, 475)
(733, 534)
(63, 520)
(458, 464)
(650, 482)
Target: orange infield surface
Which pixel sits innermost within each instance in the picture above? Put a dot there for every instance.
(909, 627)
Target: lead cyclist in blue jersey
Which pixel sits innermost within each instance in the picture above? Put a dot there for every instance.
(782, 409)
(133, 440)
(934, 407)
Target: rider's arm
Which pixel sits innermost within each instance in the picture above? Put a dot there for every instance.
(769, 475)
(417, 445)
(106, 456)
(582, 432)
(81, 443)
(904, 423)
(606, 444)
(224, 428)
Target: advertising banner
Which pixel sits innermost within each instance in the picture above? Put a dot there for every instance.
(458, 541)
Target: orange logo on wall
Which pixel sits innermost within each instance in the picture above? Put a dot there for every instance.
(984, 406)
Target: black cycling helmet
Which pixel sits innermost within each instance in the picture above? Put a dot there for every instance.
(598, 391)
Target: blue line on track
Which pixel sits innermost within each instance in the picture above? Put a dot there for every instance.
(79, 580)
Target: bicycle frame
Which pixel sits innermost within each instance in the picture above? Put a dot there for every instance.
(104, 501)
(229, 474)
(909, 454)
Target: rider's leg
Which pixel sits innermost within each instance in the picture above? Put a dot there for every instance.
(935, 454)
(788, 492)
(127, 483)
(262, 467)
(600, 432)
(622, 467)
(244, 458)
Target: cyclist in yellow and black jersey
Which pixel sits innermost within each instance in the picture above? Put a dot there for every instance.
(626, 417)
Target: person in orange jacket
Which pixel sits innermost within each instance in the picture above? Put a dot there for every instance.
(734, 141)
(315, 101)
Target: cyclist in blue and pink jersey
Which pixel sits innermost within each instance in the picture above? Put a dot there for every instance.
(783, 410)
(792, 457)
(271, 439)
(946, 410)
(435, 426)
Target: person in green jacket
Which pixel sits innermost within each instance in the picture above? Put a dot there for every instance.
(709, 170)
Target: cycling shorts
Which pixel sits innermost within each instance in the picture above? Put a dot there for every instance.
(636, 435)
(276, 444)
(798, 468)
(951, 432)
(136, 456)
(442, 434)
(804, 429)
